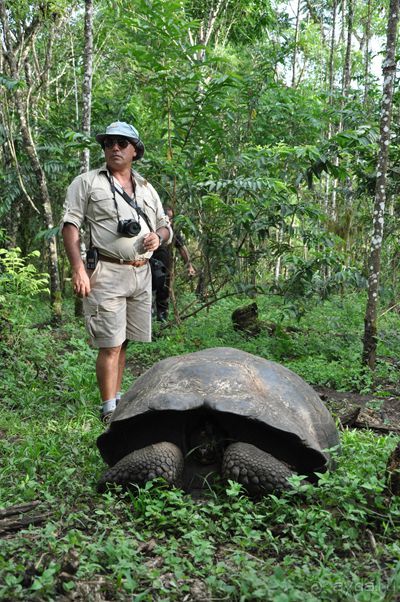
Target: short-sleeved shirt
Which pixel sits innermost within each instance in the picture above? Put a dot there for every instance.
(91, 202)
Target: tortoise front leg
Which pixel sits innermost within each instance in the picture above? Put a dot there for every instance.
(255, 469)
(159, 460)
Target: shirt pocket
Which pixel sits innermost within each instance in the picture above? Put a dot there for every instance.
(101, 206)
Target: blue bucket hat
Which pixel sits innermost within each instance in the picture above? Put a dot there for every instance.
(121, 128)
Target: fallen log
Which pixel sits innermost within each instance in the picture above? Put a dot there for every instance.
(11, 525)
(370, 419)
(349, 419)
(366, 418)
(18, 509)
(15, 518)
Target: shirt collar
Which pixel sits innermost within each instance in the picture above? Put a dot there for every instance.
(138, 178)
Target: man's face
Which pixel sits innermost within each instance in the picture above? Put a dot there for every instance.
(119, 152)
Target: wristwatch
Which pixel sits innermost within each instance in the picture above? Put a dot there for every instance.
(160, 238)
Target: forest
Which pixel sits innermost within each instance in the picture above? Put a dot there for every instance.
(272, 130)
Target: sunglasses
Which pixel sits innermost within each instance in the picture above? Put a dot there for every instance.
(110, 141)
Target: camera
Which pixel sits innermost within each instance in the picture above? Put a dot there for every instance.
(128, 227)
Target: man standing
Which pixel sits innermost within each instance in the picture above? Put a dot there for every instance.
(164, 254)
(126, 224)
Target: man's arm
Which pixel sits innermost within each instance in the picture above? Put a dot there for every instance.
(162, 224)
(184, 253)
(80, 279)
(152, 241)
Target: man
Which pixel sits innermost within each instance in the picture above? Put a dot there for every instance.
(126, 224)
(164, 254)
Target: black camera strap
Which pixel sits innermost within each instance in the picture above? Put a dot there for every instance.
(130, 201)
(135, 206)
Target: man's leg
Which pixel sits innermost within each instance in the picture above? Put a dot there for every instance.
(121, 368)
(162, 299)
(138, 307)
(107, 371)
(105, 315)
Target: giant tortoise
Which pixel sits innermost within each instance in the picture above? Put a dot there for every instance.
(218, 411)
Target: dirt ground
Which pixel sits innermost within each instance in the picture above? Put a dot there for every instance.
(374, 411)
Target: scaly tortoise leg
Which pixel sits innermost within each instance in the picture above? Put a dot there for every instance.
(255, 469)
(159, 460)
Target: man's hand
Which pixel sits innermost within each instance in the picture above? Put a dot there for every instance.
(81, 282)
(80, 279)
(190, 270)
(151, 242)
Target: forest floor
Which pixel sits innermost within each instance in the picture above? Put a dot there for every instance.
(62, 541)
(367, 411)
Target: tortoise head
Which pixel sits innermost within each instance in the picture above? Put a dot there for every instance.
(205, 443)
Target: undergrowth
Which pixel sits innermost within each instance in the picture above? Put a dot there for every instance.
(337, 541)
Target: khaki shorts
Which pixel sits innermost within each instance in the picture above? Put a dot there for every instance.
(119, 304)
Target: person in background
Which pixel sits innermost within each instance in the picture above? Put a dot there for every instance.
(126, 223)
(165, 255)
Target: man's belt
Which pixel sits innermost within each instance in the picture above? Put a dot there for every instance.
(138, 263)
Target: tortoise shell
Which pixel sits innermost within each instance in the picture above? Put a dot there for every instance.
(244, 397)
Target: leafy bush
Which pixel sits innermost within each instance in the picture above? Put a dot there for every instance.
(17, 277)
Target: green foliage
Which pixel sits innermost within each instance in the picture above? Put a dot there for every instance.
(262, 171)
(18, 277)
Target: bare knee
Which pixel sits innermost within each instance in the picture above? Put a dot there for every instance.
(110, 352)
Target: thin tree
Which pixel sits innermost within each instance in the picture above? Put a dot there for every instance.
(366, 53)
(347, 60)
(332, 50)
(87, 82)
(296, 42)
(389, 71)
(14, 46)
(86, 109)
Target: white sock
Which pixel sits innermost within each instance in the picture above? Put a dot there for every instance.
(118, 396)
(109, 405)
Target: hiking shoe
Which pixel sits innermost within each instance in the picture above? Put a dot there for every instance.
(105, 417)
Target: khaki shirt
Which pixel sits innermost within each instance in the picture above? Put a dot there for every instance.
(89, 201)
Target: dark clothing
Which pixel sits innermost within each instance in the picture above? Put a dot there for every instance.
(164, 254)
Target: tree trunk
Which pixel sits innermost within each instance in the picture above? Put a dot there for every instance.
(389, 71)
(86, 110)
(366, 54)
(332, 51)
(330, 199)
(87, 82)
(278, 263)
(347, 60)
(296, 40)
(76, 93)
(20, 103)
